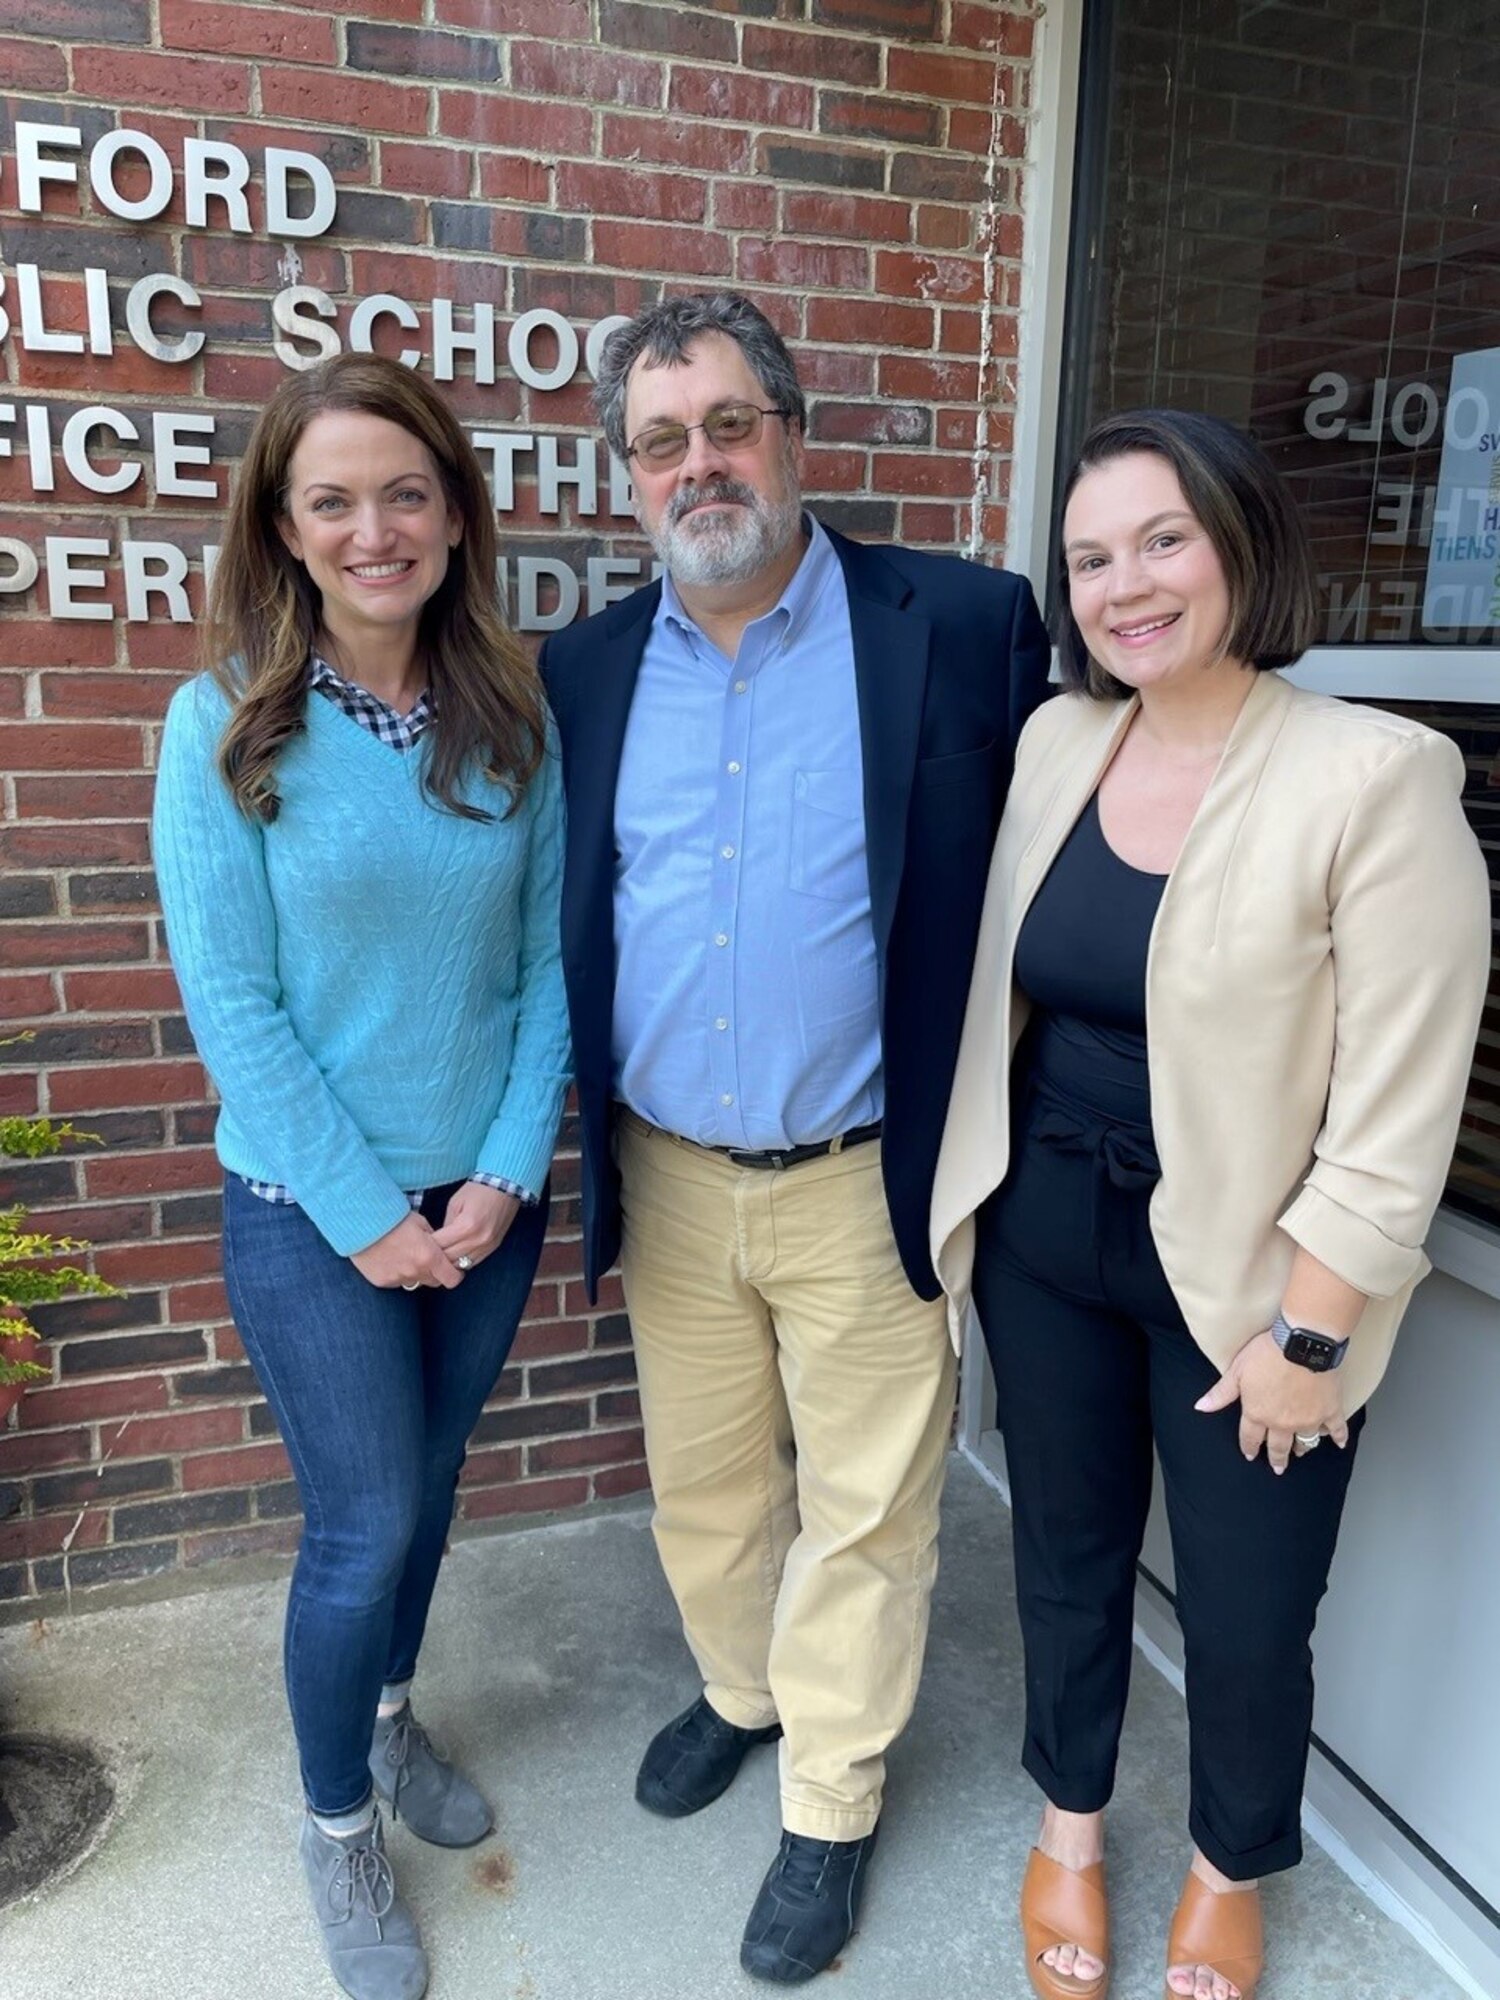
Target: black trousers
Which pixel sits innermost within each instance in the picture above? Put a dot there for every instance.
(1093, 1363)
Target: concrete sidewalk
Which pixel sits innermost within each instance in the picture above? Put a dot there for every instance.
(554, 1653)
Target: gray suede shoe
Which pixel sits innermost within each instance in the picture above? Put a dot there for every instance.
(422, 1787)
(374, 1950)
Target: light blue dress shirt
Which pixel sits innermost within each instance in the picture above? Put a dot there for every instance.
(746, 998)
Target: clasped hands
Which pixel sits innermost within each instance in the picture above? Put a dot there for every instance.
(414, 1253)
(1279, 1401)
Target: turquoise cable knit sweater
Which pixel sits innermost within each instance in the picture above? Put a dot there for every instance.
(374, 984)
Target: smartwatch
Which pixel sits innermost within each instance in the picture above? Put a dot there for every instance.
(1308, 1349)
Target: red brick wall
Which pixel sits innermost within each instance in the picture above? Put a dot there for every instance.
(852, 163)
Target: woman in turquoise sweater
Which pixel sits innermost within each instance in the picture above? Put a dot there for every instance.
(358, 836)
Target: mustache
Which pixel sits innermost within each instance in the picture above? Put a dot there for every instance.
(728, 492)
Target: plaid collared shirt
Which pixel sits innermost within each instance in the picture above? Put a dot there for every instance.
(401, 732)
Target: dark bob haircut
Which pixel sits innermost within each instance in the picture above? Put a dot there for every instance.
(1243, 505)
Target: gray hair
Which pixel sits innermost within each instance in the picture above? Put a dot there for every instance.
(663, 333)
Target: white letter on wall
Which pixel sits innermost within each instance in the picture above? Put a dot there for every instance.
(553, 475)
(35, 335)
(155, 569)
(519, 349)
(32, 169)
(530, 571)
(172, 454)
(288, 314)
(447, 341)
(63, 579)
(160, 346)
(102, 175)
(504, 447)
(75, 452)
(198, 155)
(26, 569)
(364, 316)
(280, 165)
(599, 332)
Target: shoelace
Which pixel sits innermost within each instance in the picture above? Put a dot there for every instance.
(363, 1878)
(406, 1732)
(802, 1866)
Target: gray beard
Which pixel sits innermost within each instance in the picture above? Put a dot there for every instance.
(701, 548)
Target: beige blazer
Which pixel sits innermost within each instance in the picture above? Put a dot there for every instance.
(1313, 988)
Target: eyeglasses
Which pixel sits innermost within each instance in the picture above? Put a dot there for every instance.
(734, 427)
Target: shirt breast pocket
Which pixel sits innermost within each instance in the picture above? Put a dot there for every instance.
(828, 836)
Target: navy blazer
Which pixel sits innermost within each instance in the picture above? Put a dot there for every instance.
(949, 659)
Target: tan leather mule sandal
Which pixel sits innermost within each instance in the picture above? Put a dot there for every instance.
(1223, 1931)
(1064, 1906)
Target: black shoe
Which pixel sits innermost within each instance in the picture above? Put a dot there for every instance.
(806, 1907)
(693, 1759)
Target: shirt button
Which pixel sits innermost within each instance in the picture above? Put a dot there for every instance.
(722, 938)
(726, 1098)
(733, 768)
(740, 686)
(721, 1024)
(727, 852)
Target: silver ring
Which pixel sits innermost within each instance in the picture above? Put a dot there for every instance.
(464, 1263)
(412, 1288)
(1307, 1443)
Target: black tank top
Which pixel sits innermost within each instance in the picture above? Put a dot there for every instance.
(1081, 960)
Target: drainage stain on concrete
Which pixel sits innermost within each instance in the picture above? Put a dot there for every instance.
(56, 1797)
(494, 1872)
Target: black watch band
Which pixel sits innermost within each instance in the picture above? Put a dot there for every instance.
(1315, 1351)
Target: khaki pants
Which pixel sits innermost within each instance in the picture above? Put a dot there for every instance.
(797, 1396)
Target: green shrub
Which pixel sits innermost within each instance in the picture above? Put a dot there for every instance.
(28, 1275)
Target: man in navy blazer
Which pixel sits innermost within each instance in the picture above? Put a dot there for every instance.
(785, 764)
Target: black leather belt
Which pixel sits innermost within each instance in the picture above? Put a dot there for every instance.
(793, 1156)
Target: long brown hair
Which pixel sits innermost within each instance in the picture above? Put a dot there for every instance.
(1247, 512)
(264, 610)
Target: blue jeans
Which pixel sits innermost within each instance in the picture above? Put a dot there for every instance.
(375, 1393)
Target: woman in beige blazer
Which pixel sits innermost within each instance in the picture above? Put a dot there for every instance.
(1228, 982)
